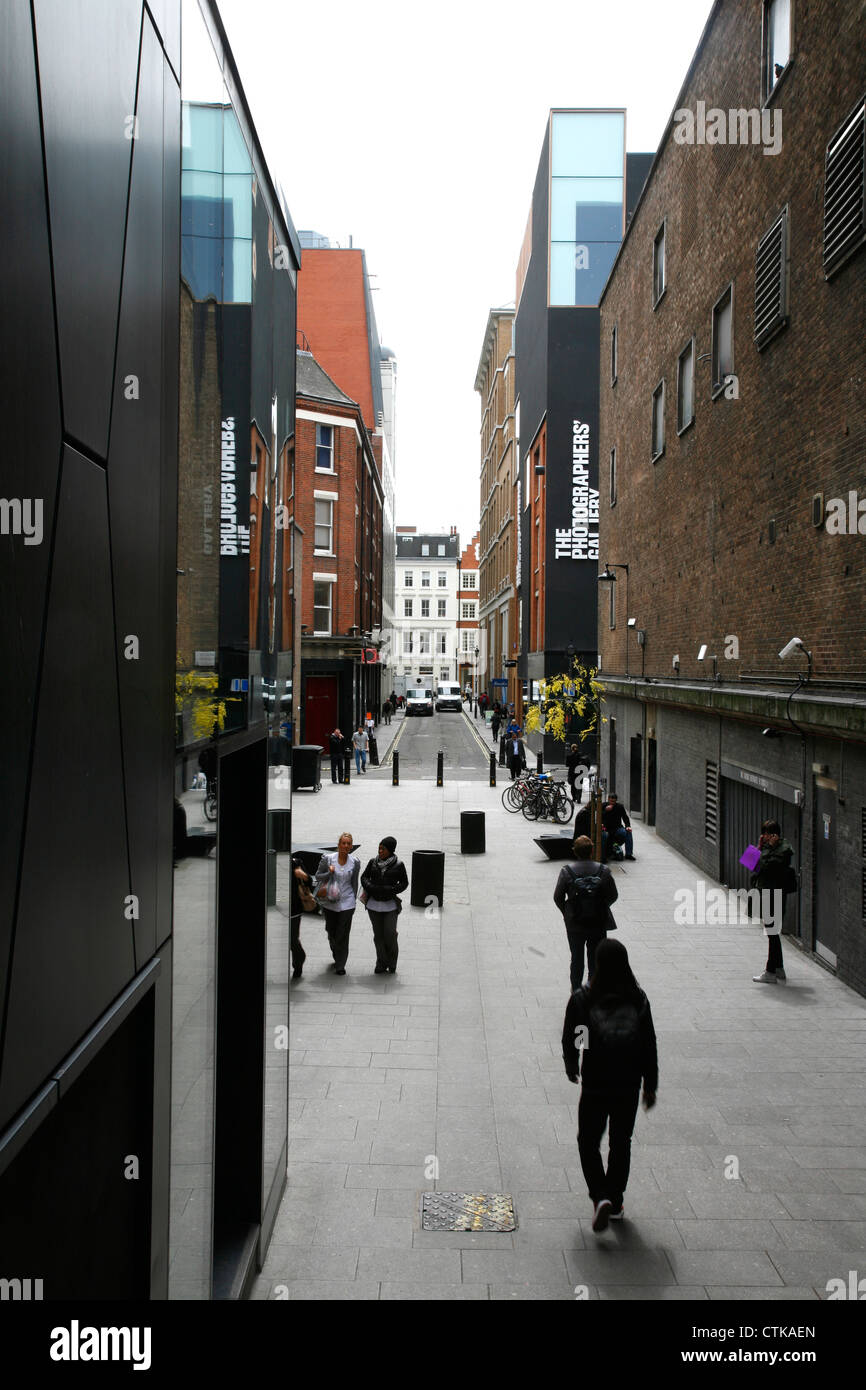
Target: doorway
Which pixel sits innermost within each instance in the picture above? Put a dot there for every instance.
(825, 923)
(321, 709)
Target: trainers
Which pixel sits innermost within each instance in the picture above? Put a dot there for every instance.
(780, 975)
(600, 1215)
(616, 1215)
(765, 978)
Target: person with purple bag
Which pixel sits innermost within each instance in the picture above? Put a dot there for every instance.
(775, 878)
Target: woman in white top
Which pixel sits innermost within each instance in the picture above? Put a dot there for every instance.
(336, 889)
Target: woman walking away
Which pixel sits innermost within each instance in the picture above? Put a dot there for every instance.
(775, 878)
(383, 878)
(610, 1020)
(336, 889)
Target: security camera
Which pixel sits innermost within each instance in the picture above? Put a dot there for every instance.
(632, 622)
(702, 653)
(795, 645)
(676, 662)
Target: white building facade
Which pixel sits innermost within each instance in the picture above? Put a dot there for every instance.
(426, 608)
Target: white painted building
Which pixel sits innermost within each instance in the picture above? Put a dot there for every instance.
(426, 599)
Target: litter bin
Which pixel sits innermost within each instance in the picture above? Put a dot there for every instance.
(280, 830)
(307, 767)
(428, 876)
(472, 836)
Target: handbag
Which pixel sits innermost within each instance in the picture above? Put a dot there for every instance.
(751, 858)
(308, 902)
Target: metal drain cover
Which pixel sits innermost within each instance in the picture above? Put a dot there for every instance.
(467, 1211)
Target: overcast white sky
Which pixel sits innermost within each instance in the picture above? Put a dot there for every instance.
(417, 130)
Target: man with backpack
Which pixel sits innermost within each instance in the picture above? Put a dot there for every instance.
(583, 893)
(610, 1023)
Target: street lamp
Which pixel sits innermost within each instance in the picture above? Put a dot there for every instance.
(609, 578)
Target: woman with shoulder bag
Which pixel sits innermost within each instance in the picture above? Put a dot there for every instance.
(336, 888)
(383, 878)
(776, 878)
(302, 901)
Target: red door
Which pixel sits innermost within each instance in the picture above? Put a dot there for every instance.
(321, 709)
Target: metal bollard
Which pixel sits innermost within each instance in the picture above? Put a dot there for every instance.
(347, 769)
(440, 760)
(493, 769)
(539, 762)
(502, 751)
(395, 769)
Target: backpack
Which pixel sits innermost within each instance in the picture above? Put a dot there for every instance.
(585, 897)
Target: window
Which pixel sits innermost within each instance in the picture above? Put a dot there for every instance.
(777, 42)
(324, 536)
(723, 339)
(686, 387)
(425, 549)
(407, 608)
(659, 265)
(407, 644)
(468, 580)
(613, 356)
(441, 643)
(771, 281)
(613, 477)
(423, 643)
(322, 596)
(425, 608)
(325, 448)
(408, 579)
(425, 579)
(440, 607)
(467, 610)
(466, 641)
(658, 440)
(442, 579)
(440, 550)
(845, 192)
(444, 672)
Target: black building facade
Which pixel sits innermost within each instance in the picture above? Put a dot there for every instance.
(142, 1113)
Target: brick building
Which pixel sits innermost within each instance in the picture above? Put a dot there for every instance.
(468, 644)
(338, 506)
(497, 599)
(733, 431)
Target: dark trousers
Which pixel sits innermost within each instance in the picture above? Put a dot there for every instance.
(618, 1109)
(578, 938)
(384, 926)
(298, 953)
(337, 767)
(774, 953)
(339, 924)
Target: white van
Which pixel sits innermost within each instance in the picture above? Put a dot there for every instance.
(449, 696)
(419, 700)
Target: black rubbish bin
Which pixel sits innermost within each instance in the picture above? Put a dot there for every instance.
(472, 836)
(307, 767)
(280, 830)
(428, 876)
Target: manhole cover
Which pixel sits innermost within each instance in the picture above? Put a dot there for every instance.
(467, 1211)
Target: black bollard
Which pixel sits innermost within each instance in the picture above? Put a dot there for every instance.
(502, 751)
(539, 762)
(440, 760)
(395, 770)
(347, 768)
(493, 769)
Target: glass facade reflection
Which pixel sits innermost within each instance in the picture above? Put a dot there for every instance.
(587, 169)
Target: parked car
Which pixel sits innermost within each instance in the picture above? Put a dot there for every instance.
(419, 701)
(448, 696)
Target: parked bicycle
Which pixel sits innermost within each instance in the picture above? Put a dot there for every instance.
(549, 801)
(210, 799)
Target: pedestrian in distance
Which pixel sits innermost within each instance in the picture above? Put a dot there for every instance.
(575, 778)
(386, 712)
(516, 754)
(336, 752)
(584, 892)
(617, 827)
(495, 723)
(299, 876)
(382, 880)
(360, 743)
(610, 1020)
(336, 889)
(369, 722)
(776, 878)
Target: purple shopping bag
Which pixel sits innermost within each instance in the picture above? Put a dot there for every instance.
(751, 857)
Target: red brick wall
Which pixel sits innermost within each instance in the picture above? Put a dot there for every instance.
(694, 526)
(332, 313)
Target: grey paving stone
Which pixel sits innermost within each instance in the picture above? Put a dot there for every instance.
(384, 1175)
(725, 1234)
(543, 1293)
(538, 1266)
(425, 1293)
(659, 1293)
(760, 1294)
(376, 1232)
(745, 1267)
(606, 1265)
(326, 1290)
(428, 1267)
(292, 1262)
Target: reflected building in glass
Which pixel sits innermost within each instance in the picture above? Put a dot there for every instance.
(585, 188)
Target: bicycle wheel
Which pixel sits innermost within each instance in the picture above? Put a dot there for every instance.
(532, 808)
(509, 799)
(562, 809)
(210, 806)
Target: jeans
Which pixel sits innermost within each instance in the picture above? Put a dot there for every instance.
(578, 937)
(596, 1110)
(384, 926)
(622, 835)
(338, 925)
(360, 760)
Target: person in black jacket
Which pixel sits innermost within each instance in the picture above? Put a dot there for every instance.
(587, 915)
(612, 1022)
(336, 749)
(299, 955)
(515, 753)
(617, 826)
(381, 881)
(775, 878)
